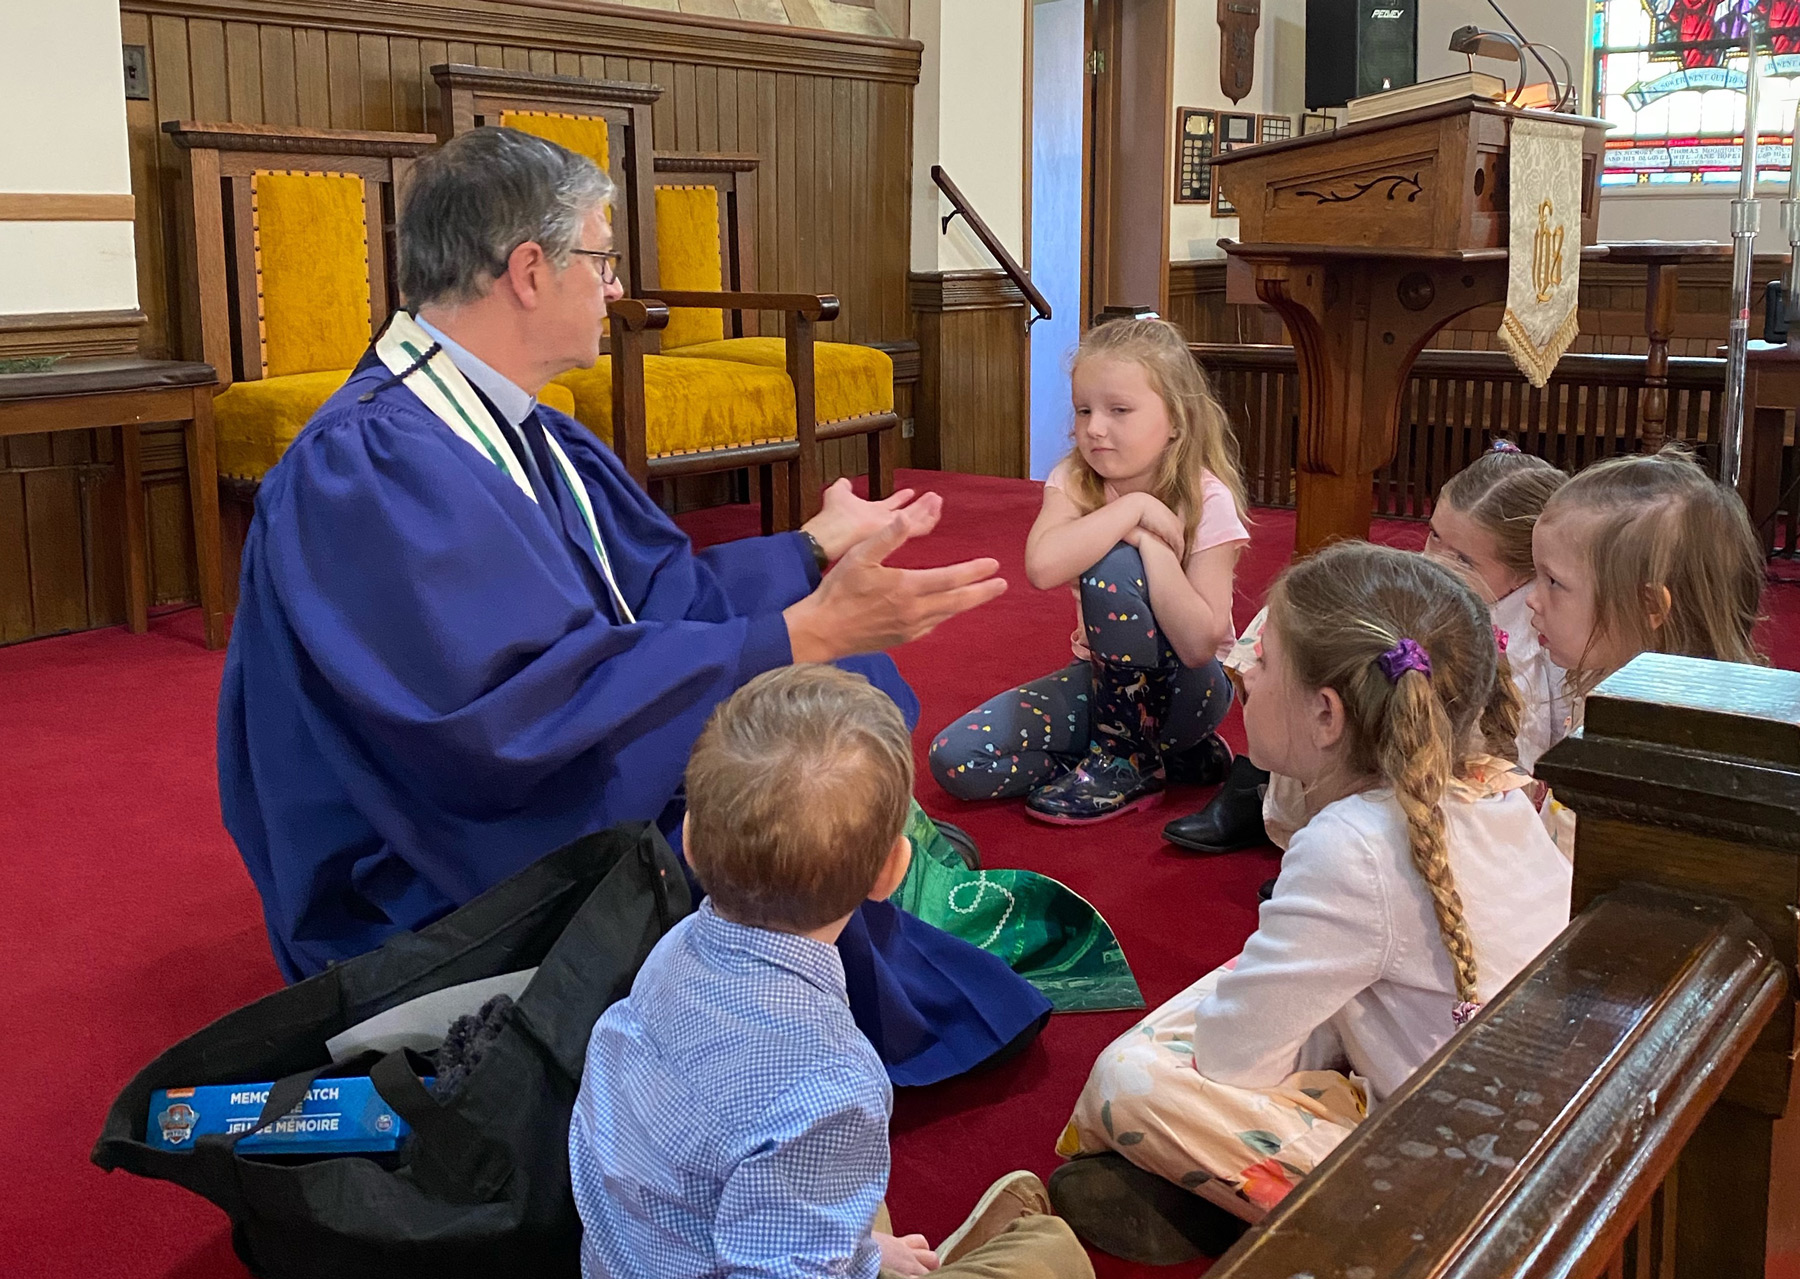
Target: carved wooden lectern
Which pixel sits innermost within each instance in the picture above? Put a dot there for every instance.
(1367, 241)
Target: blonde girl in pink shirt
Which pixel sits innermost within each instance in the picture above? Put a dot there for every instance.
(1144, 520)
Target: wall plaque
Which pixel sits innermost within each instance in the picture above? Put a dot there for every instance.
(1238, 21)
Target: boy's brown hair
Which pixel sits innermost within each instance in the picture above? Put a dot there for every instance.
(1658, 522)
(796, 792)
(1337, 614)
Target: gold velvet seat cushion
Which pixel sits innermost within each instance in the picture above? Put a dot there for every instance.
(256, 421)
(560, 398)
(692, 405)
(848, 380)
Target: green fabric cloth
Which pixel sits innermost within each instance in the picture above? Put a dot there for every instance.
(1045, 932)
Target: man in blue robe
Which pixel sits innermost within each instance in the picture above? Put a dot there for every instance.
(465, 636)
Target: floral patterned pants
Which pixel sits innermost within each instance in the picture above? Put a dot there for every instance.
(1145, 1100)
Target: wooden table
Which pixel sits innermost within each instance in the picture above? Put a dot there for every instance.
(1662, 261)
(125, 393)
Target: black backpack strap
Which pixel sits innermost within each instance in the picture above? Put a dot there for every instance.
(284, 1095)
(448, 1152)
(598, 955)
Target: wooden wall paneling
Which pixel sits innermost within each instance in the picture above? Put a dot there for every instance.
(171, 540)
(377, 82)
(103, 533)
(15, 561)
(207, 70)
(243, 64)
(410, 74)
(343, 71)
(312, 78)
(58, 581)
(684, 95)
(970, 403)
(281, 100)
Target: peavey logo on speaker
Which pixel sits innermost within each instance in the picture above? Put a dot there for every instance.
(1391, 15)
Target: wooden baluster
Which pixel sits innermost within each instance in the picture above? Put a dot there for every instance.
(1659, 323)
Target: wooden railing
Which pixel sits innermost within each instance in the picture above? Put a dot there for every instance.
(1458, 401)
(1021, 278)
(1612, 1111)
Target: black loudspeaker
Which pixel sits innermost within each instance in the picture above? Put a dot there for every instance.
(1358, 47)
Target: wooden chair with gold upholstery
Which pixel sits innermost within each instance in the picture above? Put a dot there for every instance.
(675, 416)
(676, 420)
(292, 267)
(704, 246)
(289, 268)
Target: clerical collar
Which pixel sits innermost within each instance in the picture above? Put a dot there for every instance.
(512, 400)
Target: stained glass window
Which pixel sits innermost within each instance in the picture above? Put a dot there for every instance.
(1667, 77)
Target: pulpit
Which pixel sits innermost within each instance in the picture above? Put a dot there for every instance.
(1367, 241)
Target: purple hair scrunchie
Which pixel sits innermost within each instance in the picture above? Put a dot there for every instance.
(1405, 656)
(1504, 446)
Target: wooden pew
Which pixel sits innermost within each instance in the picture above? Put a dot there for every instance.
(1612, 1111)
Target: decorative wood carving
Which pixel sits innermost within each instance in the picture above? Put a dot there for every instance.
(1396, 184)
(1238, 21)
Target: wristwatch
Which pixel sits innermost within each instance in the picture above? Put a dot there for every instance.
(818, 551)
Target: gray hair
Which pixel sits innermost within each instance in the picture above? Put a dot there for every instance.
(481, 195)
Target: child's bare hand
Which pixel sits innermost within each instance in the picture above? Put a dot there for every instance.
(907, 1255)
(1161, 523)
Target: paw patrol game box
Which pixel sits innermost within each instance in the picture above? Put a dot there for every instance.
(337, 1116)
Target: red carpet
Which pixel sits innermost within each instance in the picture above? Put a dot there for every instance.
(126, 919)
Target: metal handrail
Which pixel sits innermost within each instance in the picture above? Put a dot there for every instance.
(1020, 277)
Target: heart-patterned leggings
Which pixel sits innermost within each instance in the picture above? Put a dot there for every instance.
(1027, 736)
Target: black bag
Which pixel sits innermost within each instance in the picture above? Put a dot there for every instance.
(482, 1186)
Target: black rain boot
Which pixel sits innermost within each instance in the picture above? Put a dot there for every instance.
(1231, 820)
(1122, 770)
(1205, 764)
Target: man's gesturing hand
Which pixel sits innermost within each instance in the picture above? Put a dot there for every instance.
(846, 519)
(863, 606)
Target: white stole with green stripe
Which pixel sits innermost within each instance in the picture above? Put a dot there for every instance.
(443, 389)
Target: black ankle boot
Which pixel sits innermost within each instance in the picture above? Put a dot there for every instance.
(1119, 1208)
(1233, 818)
(1206, 764)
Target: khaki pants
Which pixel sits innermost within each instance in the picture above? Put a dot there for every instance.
(1030, 1248)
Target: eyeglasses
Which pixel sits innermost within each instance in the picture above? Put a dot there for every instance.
(609, 263)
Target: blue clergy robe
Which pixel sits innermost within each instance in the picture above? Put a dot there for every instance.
(428, 688)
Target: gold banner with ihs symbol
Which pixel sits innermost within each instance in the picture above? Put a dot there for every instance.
(1544, 268)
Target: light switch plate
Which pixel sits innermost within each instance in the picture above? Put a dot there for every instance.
(137, 74)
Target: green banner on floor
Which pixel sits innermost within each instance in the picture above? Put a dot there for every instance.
(1046, 932)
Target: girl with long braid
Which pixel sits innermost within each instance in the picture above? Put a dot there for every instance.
(1422, 884)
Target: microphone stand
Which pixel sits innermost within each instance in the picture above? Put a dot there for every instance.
(1790, 222)
(1746, 217)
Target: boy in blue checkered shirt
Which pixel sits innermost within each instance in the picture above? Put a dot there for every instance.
(732, 1120)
